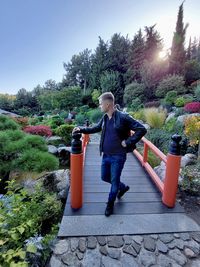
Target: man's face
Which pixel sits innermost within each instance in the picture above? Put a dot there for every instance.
(104, 105)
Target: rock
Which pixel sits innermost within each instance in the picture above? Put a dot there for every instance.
(164, 261)
(52, 149)
(61, 247)
(57, 181)
(55, 262)
(69, 259)
(188, 159)
(185, 236)
(114, 253)
(189, 253)
(160, 171)
(53, 140)
(129, 250)
(154, 236)
(166, 238)
(79, 255)
(176, 235)
(103, 250)
(82, 245)
(146, 258)
(196, 236)
(195, 263)
(91, 242)
(109, 262)
(92, 258)
(161, 246)
(101, 240)
(178, 243)
(64, 155)
(136, 247)
(178, 256)
(128, 261)
(74, 243)
(115, 241)
(193, 245)
(183, 117)
(138, 239)
(149, 244)
(170, 116)
(127, 239)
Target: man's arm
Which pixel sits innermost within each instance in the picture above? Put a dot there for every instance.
(90, 130)
(137, 127)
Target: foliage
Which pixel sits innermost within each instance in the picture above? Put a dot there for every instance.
(136, 104)
(65, 131)
(192, 107)
(173, 126)
(138, 115)
(80, 119)
(22, 216)
(94, 115)
(182, 100)
(150, 104)
(22, 121)
(160, 138)
(95, 96)
(155, 117)
(170, 97)
(191, 179)
(192, 71)
(7, 123)
(170, 83)
(132, 91)
(197, 93)
(38, 130)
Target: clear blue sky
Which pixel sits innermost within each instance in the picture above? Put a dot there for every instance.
(37, 36)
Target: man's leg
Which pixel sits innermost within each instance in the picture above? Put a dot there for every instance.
(105, 169)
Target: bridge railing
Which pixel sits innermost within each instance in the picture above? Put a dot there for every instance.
(172, 160)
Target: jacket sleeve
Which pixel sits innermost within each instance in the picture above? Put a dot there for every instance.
(90, 130)
(137, 127)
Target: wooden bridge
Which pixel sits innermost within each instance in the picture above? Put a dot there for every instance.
(140, 211)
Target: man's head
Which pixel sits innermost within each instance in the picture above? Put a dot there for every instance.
(106, 101)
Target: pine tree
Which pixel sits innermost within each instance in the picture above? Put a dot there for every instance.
(178, 54)
(189, 52)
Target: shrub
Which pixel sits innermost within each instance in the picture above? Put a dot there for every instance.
(181, 101)
(80, 119)
(136, 104)
(155, 117)
(197, 93)
(94, 115)
(192, 107)
(132, 91)
(24, 216)
(170, 83)
(170, 97)
(21, 121)
(38, 130)
(173, 126)
(65, 131)
(7, 123)
(138, 115)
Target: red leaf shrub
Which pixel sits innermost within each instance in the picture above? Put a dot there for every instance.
(38, 130)
(192, 107)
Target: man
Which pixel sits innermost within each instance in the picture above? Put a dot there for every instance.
(115, 142)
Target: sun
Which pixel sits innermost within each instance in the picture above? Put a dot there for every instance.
(162, 54)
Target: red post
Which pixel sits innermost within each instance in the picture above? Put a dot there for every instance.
(76, 168)
(172, 173)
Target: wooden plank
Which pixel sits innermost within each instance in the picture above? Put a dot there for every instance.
(123, 208)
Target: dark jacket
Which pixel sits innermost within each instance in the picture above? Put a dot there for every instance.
(123, 123)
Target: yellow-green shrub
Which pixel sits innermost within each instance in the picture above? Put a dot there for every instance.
(155, 117)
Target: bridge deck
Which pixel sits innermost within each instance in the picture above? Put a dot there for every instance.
(140, 210)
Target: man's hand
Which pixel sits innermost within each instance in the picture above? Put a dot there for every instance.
(76, 130)
(123, 143)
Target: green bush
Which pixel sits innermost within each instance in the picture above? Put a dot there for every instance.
(138, 115)
(94, 115)
(65, 131)
(155, 117)
(173, 126)
(197, 93)
(170, 97)
(132, 91)
(181, 101)
(80, 119)
(23, 216)
(7, 123)
(170, 83)
(136, 104)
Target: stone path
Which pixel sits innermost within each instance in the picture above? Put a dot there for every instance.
(177, 249)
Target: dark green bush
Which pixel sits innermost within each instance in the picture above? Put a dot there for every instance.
(7, 123)
(159, 138)
(65, 131)
(94, 115)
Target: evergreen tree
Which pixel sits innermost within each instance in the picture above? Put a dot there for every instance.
(135, 57)
(178, 54)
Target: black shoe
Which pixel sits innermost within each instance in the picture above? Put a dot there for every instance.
(122, 192)
(109, 208)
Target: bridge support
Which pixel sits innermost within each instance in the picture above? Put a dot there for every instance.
(76, 162)
(172, 172)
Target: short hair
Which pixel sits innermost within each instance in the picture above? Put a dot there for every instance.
(107, 96)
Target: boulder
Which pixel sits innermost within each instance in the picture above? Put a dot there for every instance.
(170, 116)
(52, 149)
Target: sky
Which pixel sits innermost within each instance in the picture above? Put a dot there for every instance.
(37, 36)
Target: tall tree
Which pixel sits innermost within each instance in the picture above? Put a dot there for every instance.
(99, 63)
(135, 57)
(78, 70)
(153, 43)
(178, 53)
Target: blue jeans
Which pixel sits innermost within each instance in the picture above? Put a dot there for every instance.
(111, 169)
